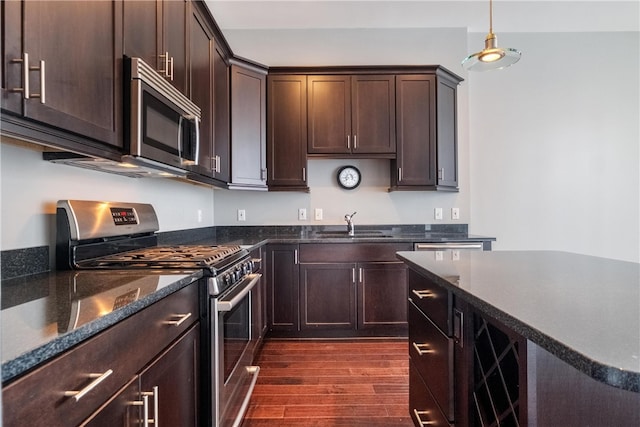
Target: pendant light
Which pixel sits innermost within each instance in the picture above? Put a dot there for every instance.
(491, 57)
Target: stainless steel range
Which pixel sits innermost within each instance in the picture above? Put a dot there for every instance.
(122, 236)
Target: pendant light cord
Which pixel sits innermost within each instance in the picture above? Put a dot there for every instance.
(491, 16)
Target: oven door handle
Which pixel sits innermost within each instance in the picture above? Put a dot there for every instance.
(228, 305)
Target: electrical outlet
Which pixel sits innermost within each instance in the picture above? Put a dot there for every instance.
(242, 215)
(318, 214)
(302, 214)
(437, 213)
(439, 255)
(455, 254)
(455, 213)
(199, 213)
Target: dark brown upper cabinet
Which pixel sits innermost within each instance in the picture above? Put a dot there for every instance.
(248, 127)
(287, 132)
(62, 72)
(351, 115)
(222, 119)
(157, 32)
(201, 63)
(427, 143)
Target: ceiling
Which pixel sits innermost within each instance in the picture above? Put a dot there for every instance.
(508, 15)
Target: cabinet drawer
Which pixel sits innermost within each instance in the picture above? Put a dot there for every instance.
(351, 252)
(122, 349)
(422, 406)
(433, 300)
(432, 354)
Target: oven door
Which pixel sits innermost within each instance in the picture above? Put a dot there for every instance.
(233, 370)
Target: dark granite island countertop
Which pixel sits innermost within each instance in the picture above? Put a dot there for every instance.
(582, 309)
(46, 314)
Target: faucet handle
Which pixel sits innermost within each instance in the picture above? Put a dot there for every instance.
(348, 217)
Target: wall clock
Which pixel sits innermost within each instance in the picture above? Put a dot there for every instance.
(349, 177)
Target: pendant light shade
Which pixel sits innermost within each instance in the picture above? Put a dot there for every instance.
(491, 57)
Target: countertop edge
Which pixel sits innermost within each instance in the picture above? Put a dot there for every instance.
(29, 360)
(607, 374)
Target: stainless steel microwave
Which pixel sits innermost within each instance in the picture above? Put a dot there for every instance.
(162, 126)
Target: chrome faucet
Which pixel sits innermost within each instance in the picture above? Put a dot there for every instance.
(350, 228)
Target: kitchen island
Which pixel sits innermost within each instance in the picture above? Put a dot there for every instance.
(571, 323)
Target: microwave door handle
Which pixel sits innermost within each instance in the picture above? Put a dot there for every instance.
(179, 137)
(196, 120)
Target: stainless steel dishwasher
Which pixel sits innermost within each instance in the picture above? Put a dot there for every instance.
(451, 250)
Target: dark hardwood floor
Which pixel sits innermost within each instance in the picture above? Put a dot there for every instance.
(331, 383)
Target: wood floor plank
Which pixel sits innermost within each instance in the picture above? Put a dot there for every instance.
(331, 383)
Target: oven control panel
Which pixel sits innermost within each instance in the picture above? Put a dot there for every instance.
(123, 216)
(231, 276)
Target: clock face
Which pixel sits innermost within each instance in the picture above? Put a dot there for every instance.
(349, 177)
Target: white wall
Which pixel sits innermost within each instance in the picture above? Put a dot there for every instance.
(31, 187)
(554, 140)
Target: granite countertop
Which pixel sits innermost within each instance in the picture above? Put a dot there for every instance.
(584, 310)
(40, 317)
(259, 235)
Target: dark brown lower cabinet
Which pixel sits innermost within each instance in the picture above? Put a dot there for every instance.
(382, 296)
(167, 391)
(422, 405)
(329, 290)
(282, 288)
(172, 381)
(327, 296)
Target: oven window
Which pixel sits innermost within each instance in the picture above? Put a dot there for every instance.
(236, 326)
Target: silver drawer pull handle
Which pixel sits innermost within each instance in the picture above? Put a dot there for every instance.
(77, 395)
(423, 349)
(423, 294)
(180, 321)
(418, 415)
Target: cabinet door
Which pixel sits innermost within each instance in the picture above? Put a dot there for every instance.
(175, 15)
(287, 138)
(201, 93)
(373, 115)
(257, 316)
(248, 128)
(282, 271)
(122, 410)
(172, 380)
(75, 77)
(382, 295)
(141, 29)
(221, 105)
(447, 135)
(416, 137)
(329, 114)
(327, 296)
